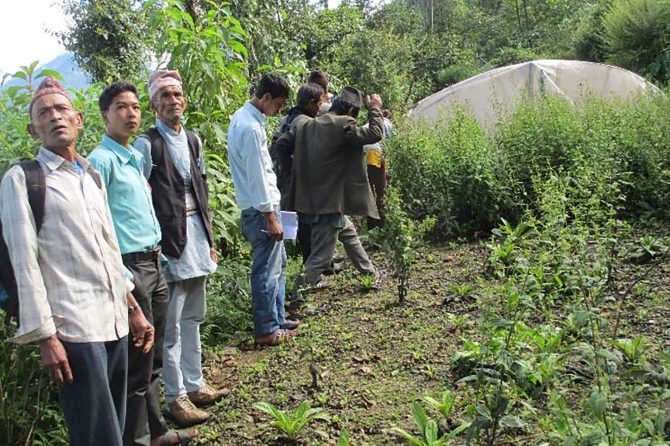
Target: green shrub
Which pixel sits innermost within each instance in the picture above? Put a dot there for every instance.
(537, 138)
(448, 172)
(637, 34)
(228, 302)
(29, 411)
(617, 152)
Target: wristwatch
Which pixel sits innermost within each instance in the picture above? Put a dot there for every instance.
(133, 308)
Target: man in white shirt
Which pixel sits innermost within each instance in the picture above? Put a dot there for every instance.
(73, 293)
(257, 195)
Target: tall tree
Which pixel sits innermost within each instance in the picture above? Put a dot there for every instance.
(108, 37)
(637, 33)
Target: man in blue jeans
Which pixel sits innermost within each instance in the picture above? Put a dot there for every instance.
(257, 195)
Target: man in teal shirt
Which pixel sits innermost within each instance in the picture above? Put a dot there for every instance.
(139, 235)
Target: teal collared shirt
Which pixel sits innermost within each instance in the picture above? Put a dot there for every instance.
(129, 195)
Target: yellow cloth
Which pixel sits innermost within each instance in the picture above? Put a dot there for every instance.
(374, 157)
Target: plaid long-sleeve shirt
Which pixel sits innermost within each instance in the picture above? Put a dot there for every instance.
(70, 277)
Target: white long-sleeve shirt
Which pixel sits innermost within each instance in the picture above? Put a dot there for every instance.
(250, 163)
(70, 276)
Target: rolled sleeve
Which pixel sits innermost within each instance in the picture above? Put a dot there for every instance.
(18, 225)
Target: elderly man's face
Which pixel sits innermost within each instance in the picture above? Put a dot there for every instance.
(55, 121)
(169, 103)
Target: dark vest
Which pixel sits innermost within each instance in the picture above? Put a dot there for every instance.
(169, 194)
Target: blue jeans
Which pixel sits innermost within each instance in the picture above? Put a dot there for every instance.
(94, 403)
(268, 273)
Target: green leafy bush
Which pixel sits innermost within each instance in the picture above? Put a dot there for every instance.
(468, 179)
(402, 236)
(637, 34)
(449, 172)
(228, 302)
(29, 411)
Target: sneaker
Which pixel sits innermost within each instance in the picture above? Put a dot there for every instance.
(184, 412)
(207, 395)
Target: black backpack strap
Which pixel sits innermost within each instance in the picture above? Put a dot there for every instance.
(36, 184)
(156, 142)
(193, 144)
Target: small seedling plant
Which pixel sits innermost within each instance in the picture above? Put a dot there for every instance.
(444, 406)
(402, 237)
(292, 425)
(428, 428)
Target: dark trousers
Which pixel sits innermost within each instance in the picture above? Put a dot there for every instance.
(94, 403)
(304, 239)
(377, 178)
(144, 419)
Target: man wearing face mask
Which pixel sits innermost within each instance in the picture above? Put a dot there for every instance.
(174, 165)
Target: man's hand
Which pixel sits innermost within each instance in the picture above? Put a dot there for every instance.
(375, 101)
(141, 330)
(54, 359)
(213, 255)
(275, 231)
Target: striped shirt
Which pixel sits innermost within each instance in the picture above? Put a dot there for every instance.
(70, 277)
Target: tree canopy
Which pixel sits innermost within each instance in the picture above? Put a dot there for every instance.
(404, 49)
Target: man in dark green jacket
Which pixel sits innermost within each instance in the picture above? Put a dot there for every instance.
(330, 180)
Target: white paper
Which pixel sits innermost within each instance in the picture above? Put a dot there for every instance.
(289, 222)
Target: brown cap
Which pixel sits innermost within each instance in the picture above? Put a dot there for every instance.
(351, 96)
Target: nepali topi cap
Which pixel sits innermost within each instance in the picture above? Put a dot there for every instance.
(163, 78)
(48, 86)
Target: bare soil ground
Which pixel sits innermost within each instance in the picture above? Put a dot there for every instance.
(371, 358)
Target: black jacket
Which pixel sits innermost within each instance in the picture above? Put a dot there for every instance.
(169, 194)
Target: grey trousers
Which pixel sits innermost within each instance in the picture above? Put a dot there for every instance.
(144, 419)
(324, 240)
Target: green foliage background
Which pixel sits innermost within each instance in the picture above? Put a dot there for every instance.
(549, 163)
(468, 179)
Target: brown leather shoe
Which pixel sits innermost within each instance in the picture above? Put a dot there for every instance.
(275, 338)
(185, 413)
(207, 395)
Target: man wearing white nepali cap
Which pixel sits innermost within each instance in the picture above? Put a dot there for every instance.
(174, 166)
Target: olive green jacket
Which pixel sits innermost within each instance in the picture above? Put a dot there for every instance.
(329, 174)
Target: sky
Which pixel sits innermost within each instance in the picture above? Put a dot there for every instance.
(24, 35)
(25, 32)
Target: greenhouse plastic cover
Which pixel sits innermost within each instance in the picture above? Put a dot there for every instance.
(493, 92)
